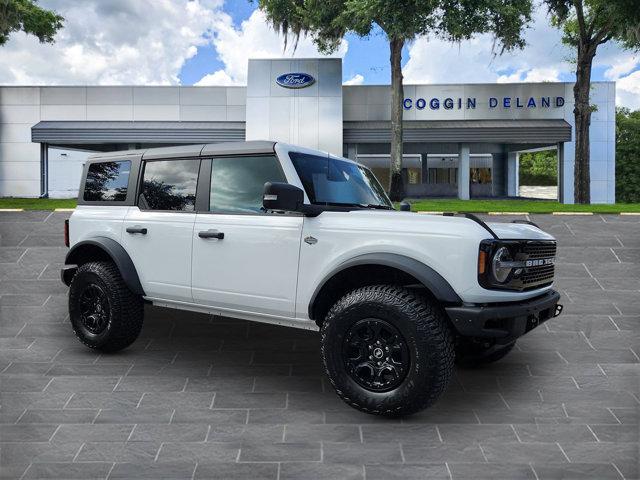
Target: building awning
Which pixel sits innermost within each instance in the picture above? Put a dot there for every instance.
(475, 131)
(80, 133)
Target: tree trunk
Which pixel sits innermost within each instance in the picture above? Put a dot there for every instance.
(582, 114)
(396, 188)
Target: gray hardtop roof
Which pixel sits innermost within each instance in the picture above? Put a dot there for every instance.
(210, 149)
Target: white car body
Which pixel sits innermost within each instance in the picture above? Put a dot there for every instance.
(264, 270)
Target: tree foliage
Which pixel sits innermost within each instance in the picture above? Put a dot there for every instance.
(587, 24)
(328, 21)
(27, 16)
(627, 156)
(539, 168)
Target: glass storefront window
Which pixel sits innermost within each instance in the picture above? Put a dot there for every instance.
(480, 175)
(414, 176)
(443, 175)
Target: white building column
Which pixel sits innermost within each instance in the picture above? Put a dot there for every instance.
(562, 196)
(513, 166)
(463, 171)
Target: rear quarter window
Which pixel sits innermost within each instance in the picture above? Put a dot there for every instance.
(170, 185)
(107, 181)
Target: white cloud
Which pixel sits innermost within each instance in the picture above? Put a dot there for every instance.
(628, 91)
(436, 61)
(357, 79)
(545, 58)
(219, 77)
(253, 39)
(531, 75)
(114, 42)
(622, 65)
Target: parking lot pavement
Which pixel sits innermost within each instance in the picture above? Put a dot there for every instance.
(203, 397)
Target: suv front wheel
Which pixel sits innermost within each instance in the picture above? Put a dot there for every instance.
(104, 313)
(386, 350)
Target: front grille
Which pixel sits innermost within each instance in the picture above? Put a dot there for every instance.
(536, 276)
(535, 250)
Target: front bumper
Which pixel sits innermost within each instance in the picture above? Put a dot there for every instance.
(504, 322)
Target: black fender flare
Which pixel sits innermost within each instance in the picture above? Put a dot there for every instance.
(118, 255)
(432, 280)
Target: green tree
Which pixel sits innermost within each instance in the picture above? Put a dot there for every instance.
(327, 21)
(587, 24)
(627, 156)
(27, 16)
(539, 168)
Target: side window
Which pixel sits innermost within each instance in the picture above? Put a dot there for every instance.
(107, 182)
(237, 183)
(170, 185)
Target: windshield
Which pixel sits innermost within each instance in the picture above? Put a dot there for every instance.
(329, 181)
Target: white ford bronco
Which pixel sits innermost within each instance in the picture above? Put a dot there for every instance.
(274, 233)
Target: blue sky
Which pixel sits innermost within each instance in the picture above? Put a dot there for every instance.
(367, 56)
(208, 42)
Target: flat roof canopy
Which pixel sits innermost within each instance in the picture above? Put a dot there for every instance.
(435, 131)
(80, 133)
(452, 131)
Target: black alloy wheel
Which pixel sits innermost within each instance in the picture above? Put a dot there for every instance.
(376, 355)
(104, 313)
(387, 350)
(94, 309)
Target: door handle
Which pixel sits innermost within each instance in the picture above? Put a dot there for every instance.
(211, 234)
(140, 230)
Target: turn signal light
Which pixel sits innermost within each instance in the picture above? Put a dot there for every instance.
(482, 262)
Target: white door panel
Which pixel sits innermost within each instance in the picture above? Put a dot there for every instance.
(253, 268)
(162, 256)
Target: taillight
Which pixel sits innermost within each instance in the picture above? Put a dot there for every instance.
(66, 232)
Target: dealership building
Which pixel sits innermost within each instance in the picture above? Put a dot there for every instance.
(460, 140)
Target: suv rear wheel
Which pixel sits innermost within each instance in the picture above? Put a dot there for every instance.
(386, 350)
(104, 313)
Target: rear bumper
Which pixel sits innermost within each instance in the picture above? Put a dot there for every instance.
(504, 322)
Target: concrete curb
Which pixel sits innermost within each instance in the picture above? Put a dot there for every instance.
(571, 213)
(11, 209)
(64, 209)
(508, 213)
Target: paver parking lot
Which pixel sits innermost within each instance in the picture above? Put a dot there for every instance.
(204, 397)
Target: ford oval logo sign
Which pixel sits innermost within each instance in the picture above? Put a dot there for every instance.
(295, 80)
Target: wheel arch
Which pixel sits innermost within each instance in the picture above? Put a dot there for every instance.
(399, 268)
(104, 248)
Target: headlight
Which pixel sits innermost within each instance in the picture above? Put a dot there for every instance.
(515, 264)
(499, 270)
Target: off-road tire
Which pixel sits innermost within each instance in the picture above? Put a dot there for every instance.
(472, 354)
(426, 333)
(125, 309)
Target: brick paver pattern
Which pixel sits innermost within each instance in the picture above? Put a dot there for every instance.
(204, 397)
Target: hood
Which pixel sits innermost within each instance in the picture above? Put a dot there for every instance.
(518, 231)
(411, 222)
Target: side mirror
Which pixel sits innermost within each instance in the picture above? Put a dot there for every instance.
(282, 196)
